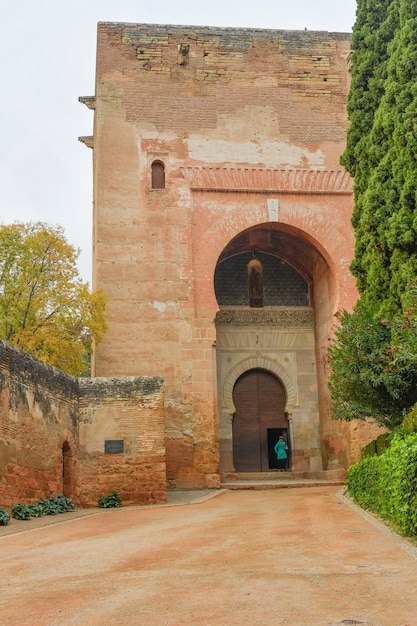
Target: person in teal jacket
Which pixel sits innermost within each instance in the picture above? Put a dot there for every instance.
(280, 449)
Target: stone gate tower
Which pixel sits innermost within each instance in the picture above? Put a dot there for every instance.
(222, 237)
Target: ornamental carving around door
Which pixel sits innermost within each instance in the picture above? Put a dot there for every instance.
(259, 398)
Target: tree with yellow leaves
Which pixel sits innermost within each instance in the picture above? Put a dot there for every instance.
(45, 307)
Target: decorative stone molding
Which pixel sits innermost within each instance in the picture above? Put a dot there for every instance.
(268, 180)
(261, 317)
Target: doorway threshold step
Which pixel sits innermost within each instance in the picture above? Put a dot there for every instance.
(279, 480)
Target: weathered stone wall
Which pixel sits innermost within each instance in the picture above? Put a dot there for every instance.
(128, 411)
(249, 125)
(53, 430)
(38, 415)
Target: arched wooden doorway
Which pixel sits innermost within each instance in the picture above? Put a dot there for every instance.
(260, 399)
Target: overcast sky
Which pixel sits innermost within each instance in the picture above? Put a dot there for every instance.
(48, 60)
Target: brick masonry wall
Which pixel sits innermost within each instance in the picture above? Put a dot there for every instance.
(239, 118)
(38, 414)
(128, 410)
(53, 428)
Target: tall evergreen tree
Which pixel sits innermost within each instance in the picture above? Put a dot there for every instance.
(386, 226)
(374, 29)
(377, 376)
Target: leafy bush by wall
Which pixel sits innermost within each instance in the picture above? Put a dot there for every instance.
(111, 501)
(4, 517)
(21, 511)
(410, 422)
(387, 484)
(383, 441)
(377, 446)
(45, 506)
(369, 449)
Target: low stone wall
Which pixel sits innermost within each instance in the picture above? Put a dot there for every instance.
(122, 440)
(84, 438)
(38, 428)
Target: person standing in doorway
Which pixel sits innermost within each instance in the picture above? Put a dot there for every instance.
(280, 449)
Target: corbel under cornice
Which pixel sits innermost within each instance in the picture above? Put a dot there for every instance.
(89, 101)
(87, 141)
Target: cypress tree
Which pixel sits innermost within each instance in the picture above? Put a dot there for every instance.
(372, 33)
(374, 355)
(387, 228)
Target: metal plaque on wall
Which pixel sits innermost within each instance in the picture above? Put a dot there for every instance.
(113, 446)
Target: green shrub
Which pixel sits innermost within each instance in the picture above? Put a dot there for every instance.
(35, 510)
(49, 506)
(369, 449)
(387, 484)
(64, 504)
(383, 443)
(410, 421)
(111, 501)
(53, 506)
(44, 506)
(21, 511)
(4, 517)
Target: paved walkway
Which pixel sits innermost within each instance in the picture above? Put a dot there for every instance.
(174, 498)
(296, 557)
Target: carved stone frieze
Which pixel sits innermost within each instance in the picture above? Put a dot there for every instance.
(294, 317)
(262, 180)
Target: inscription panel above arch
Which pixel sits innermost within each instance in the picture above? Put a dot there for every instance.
(286, 317)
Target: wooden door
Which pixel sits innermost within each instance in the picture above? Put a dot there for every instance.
(259, 398)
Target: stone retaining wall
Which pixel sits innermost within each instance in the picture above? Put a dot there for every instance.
(54, 428)
(122, 413)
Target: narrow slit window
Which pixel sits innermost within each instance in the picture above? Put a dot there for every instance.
(158, 175)
(183, 54)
